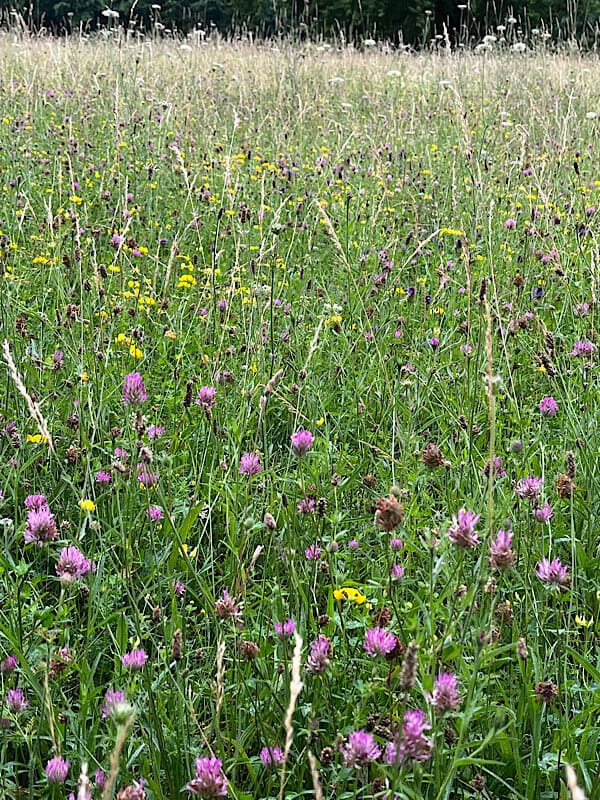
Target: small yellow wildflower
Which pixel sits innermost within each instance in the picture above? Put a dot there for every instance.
(351, 594)
(582, 622)
(87, 505)
(36, 438)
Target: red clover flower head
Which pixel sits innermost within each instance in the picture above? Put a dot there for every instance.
(543, 513)
(134, 659)
(16, 701)
(462, 531)
(250, 464)
(319, 657)
(445, 695)
(134, 391)
(36, 502)
(210, 780)
(272, 756)
(41, 527)
(529, 488)
(112, 699)
(582, 347)
(285, 629)
(360, 749)
(302, 441)
(553, 573)
(57, 770)
(72, 565)
(548, 406)
(207, 397)
(379, 642)
(501, 553)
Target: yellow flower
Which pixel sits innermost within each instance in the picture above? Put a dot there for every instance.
(183, 551)
(84, 377)
(87, 505)
(170, 335)
(135, 351)
(320, 422)
(582, 622)
(351, 594)
(36, 438)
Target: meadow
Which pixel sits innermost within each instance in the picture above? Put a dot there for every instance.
(298, 422)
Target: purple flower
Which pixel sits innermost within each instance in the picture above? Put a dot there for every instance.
(285, 629)
(57, 770)
(445, 695)
(222, 305)
(396, 544)
(306, 505)
(501, 554)
(360, 749)
(313, 553)
(146, 477)
(302, 441)
(412, 744)
(112, 699)
(134, 391)
(155, 431)
(58, 359)
(272, 756)
(8, 664)
(529, 488)
(210, 780)
(207, 397)
(36, 502)
(155, 513)
(582, 347)
(434, 343)
(134, 659)
(543, 513)
(250, 464)
(100, 779)
(41, 527)
(379, 642)
(226, 607)
(103, 477)
(319, 657)
(553, 573)
(462, 531)
(178, 588)
(397, 572)
(548, 406)
(510, 224)
(353, 544)
(496, 462)
(16, 701)
(72, 565)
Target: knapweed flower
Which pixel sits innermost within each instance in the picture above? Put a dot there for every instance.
(72, 565)
(57, 770)
(16, 701)
(285, 629)
(250, 464)
(462, 531)
(529, 488)
(543, 513)
(271, 756)
(379, 642)
(134, 391)
(302, 441)
(313, 552)
(210, 780)
(501, 553)
(40, 527)
(582, 347)
(510, 224)
(548, 406)
(496, 463)
(112, 699)
(134, 659)
(445, 696)
(553, 573)
(207, 397)
(360, 749)
(319, 657)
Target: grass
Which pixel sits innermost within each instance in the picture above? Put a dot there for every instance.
(397, 253)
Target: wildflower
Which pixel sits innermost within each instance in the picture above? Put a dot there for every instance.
(207, 398)
(501, 554)
(320, 652)
(434, 343)
(134, 791)
(41, 527)
(36, 502)
(462, 531)
(146, 477)
(351, 594)
(565, 485)
(529, 488)
(389, 513)
(57, 770)
(134, 391)
(155, 431)
(379, 642)
(445, 696)
(413, 744)
(548, 406)
(432, 456)
(546, 692)
(112, 699)
(15, 700)
(543, 513)
(269, 521)
(249, 650)
(285, 629)
(306, 505)
(226, 607)
(178, 588)
(510, 224)
(209, 780)
(72, 565)
(155, 513)
(353, 544)
(396, 544)
(360, 749)
(250, 464)
(582, 347)
(103, 477)
(8, 664)
(397, 572)
(134, 659)
(496, 464)
(271, 756)
(553, 573)
(87, 505)
(302, 441)
(313, 553)
(100, 779)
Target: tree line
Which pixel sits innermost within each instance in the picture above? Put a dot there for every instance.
(412, 22)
